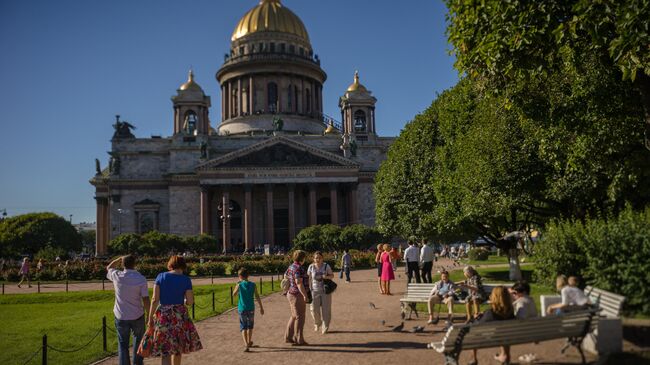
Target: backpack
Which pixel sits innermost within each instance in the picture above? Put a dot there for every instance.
(285, 284)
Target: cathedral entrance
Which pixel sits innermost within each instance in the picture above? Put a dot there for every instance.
(281, 228)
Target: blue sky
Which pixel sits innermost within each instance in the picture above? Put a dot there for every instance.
(67, 67)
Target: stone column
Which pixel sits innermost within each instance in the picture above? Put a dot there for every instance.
(354, 204)
(313, 218)
(251, 95)
(225, 213)
(223, 103)
(248, 217)
(292, 212)
(103, 227)
(205, 210)
(229, 100)
(239, 98)
(334, 206)
(270, 239)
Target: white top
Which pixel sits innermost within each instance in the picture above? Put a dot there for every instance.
(524, 307)
(130, 288)
(573, 296)
(412, 254)
(317, 276)
(427, 254)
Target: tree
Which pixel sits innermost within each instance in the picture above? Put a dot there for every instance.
(521, 40)
(88, 238)
(28, 233)
(360, 237)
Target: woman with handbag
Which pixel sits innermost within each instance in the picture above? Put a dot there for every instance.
(298, 296)
(321, 305)
(171, 332)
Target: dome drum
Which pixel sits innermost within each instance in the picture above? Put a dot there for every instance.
(292, 124)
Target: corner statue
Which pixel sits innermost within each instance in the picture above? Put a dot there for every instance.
(98, 169)
(278, 124)
(122, 129)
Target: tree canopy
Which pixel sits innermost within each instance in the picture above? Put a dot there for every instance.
(28, 233)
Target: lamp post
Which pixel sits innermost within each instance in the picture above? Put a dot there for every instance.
(70, 218)
(4, 214)
(120, 212)
(225, 217)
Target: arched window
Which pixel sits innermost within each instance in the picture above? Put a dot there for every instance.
(359, 121)
(290, 98)
(272, 96)
(146, 222)
(190, 122)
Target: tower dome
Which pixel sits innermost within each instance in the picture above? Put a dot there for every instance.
(270, 16)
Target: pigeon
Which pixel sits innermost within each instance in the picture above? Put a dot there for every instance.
(372, 305)
(417, 329)
(398, 328)
(383, 323)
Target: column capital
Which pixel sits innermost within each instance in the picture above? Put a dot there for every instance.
(248, 187)
(333, 185)
(205, 188)
(269, 186)
(291, 186)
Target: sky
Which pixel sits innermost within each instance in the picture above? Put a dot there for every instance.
(68, 67)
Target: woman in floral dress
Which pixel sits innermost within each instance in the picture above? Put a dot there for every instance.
(174, 333)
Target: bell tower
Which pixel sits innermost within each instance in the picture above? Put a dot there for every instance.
(191, 109)
(358, 111)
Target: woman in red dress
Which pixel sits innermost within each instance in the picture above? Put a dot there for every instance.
(387, 273)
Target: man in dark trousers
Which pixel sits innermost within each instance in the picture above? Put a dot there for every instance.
(412, 258)
(427, 257)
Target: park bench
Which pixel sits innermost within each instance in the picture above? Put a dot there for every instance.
(573, 325)
(419, 293)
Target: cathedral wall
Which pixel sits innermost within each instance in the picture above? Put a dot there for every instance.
(143, 166)
(184, 212)
(126, 222)
(184, 161)
(366, 204)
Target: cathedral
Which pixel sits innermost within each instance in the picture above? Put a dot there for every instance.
(274, 164)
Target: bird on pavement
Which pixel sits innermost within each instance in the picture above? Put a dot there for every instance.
(383, 323)
(398, 328)
(372, 305)
(417, 329)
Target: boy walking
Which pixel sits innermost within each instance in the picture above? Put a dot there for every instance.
(346, 263)
(246, 307)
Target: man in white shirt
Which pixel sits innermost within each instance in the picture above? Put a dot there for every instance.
(412, 258)
(427, 256)
(131, 299)
(572, 298)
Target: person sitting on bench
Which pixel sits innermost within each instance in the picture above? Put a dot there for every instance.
(443, 292)
(572, 297)
(500, 310)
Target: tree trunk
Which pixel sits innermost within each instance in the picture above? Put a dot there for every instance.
(513, 260)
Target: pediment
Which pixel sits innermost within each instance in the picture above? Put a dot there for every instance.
(278, 152)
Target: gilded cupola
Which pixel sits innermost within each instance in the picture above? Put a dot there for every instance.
(270, 16)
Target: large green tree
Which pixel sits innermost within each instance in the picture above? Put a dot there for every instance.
(521, 40)
(28, 233)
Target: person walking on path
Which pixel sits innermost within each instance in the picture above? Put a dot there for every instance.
(387, 274)
(298, 296)
(174, 333)
(131, 300)
(427, 257)
(346, 264)
(321, 305)
(24, 272)
(412, 257)
(246, 290)
(380, 266)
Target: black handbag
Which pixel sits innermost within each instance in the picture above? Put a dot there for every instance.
(329, 286)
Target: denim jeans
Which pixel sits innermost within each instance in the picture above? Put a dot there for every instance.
(346, 270)
(124, 329)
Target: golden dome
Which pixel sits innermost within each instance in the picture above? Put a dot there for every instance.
(356, 86)
(190, 85)
(270, 16)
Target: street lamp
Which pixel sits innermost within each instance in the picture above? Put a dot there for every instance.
(120, 212)
(70, 218)
(4, 214)
(225, 217)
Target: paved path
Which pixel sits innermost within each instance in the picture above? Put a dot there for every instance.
(357, 335)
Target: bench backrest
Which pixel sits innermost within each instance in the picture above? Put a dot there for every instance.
(609, 303)
(422, 290)
(519, 331)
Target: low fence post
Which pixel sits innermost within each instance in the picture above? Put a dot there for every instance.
(213, 301)
(232, 300)
(261, 287)
(66, 286)
(103, 288)
(212, 279)
(44, 350)
(272, 289)
(39, 287)
(105, 347)
(3, 288)
(193, 305)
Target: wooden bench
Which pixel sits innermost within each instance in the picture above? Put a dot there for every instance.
(607, 337)
(419, 293)
(574, 326)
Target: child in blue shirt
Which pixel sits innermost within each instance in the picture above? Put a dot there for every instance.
(246, 306)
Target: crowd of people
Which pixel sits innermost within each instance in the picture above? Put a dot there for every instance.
(161, 325)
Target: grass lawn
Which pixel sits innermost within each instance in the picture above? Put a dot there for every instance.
(71, 320)
(494, 275)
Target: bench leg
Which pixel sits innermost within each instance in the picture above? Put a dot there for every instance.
(403, 310)
(451, 358)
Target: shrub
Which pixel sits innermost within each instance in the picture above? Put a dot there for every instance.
(611, 253)
(27, 233)
(50, 253)
(360, 237)
(478, 254)
(308, 239)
